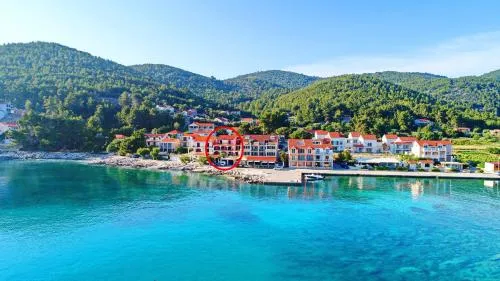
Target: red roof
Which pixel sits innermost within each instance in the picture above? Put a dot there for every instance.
(407, 139)
(261, 138)
(369, 137)
(118, 136)
(260, 158)
(226, 137)
(334, 135)
(433, 143)
(247, 120)
(391, 136)
(321, 132)
(9, 124)
(307, 143)
(355, 134)
(170, 140)
(174, 132)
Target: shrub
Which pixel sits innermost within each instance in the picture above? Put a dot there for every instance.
(400, 168)
(114, 145)
(155, 153)
(435, 170)
(143, 151)
(202, 160)
(185, 158)
(420, 170)
(181, 150)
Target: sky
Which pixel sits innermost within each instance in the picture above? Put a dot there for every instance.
(229, 38)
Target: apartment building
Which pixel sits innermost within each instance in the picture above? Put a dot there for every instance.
(260, 150)
(201, 128)
(437, 150)
(309, 153)
(402, 145)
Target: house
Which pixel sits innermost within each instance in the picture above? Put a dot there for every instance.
(429, 149)
(423, 122)
(201, 128)
(154, 139)
(366, 143)
(464, 130)
(167, 108)
(424, 164)
(352, 140)
(7, 126)
(176, 134)
(260, 150)
(229, 145)
(402, 145)
(169, 144)
(222, 120)
(492, 167)
(387, 141)
(196, 144)
(120, 136)
(370, 144)
(338, 141)
(308, 153)
(250, 121)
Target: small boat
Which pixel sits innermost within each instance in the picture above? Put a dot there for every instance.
(313, 177)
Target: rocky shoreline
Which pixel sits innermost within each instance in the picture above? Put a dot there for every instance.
(137, 163)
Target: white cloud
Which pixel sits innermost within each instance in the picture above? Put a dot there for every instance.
(467, 55)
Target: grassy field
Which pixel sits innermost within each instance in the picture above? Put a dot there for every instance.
(477, 151)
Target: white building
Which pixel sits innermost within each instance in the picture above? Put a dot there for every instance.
(402, 145)
(199, 127)
(437, 150)
(491, 167)
(337, 140)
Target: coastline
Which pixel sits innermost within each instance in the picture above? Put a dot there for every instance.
(247, 175)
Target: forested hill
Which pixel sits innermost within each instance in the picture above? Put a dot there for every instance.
(492, 75)
(480, 92)
(230, 91)
(271, 79)
(38, 70)
(180, 78)
(375, 105)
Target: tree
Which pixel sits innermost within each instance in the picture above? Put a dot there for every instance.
(114, 145)
(155, 153)
(272, 120)
(300, 134)
(143, 151)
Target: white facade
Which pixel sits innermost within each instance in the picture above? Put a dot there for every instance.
(436, 150)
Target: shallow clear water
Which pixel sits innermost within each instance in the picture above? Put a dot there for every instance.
(69, 221)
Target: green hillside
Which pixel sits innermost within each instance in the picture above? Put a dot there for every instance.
(377, 106)
(75, 101)
(480, 92)
(231, 91)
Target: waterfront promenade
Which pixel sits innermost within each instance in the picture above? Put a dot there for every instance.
(295, 176)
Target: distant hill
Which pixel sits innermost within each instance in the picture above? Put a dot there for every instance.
(180, 78)
(481, 92)
(234, 90)
(266, 80)
(492, 75)
(375, 105)
(39, 69)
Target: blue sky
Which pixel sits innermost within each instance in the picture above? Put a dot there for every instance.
(228, 38)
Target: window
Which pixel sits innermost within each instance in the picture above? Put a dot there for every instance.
(293, 150)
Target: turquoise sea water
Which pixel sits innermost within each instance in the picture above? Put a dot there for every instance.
(69, 221)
